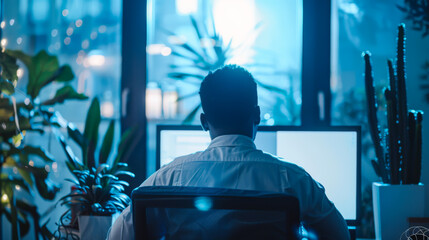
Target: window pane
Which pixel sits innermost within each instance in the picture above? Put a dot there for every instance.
(86, 34)
(361, 25)
(263, 36)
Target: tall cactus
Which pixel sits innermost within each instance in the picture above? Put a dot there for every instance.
(402, 101)
(413, 166)
(391, 95)
(374, 127)
(399, 157)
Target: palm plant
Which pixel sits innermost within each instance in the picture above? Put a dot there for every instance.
(211, 54)
(18, 118)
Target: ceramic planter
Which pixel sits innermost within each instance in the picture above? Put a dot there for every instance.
(94, 227)
(393, 205)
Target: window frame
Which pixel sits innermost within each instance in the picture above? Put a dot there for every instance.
(315, 77)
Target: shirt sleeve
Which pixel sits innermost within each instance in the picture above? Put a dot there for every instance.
(315, 205)
(123, 227)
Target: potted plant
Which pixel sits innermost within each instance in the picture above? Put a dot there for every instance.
(398, 150)
(22, 112)
(98, 192)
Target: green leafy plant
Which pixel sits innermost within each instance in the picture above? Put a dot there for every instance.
(97, 193)
(18, 118)
(97, 187)
(211, 54)
(398, 148)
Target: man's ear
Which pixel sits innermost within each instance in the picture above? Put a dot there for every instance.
(204, 123)
(257, 115)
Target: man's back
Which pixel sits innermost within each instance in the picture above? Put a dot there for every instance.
(232, 161)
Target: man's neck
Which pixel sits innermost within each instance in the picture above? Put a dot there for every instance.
(219, 132)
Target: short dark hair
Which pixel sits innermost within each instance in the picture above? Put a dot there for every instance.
(228, 96)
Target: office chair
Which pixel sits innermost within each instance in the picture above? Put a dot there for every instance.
(166, 212)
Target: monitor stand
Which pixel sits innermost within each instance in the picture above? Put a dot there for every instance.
(352, 231)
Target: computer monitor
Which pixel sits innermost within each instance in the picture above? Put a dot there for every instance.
(330, 155)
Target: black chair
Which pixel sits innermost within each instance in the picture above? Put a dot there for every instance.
(164, 212)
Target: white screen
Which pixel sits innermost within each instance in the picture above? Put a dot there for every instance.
(177, 143)
(330, 157)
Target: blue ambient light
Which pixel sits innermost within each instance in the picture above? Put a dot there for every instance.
(203, 203)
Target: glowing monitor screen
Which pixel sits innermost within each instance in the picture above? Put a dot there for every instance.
(331, 156)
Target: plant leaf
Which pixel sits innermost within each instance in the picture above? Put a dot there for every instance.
(75, 134)
(106, 146)
(26, 59)
(65, 93)
(187, 96)
(26, 176)
(38, 151)
(47, 189)
(198, 32)
(182, 75)
(65, 74)
(191, 115)
(7, 189)
(6, 87)
(8, 66)
(175, 53)
(90, 133)
(73, 162)
(16, 182)
(271, 88)
(127, 173)
(46, 233)
(43, 66)
(129, 137)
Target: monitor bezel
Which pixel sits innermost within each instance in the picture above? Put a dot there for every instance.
(357, 129)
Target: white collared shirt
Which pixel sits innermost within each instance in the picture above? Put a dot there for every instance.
(232, 161)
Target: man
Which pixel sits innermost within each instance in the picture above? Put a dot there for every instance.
(231, 115)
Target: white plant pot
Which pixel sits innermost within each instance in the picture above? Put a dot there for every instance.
(393, 205)
(94, 227)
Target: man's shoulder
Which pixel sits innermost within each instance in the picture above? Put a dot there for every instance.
(184, 158)
(283, 163)
(179, 161)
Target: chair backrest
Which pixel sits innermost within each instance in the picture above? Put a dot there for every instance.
(165, 212)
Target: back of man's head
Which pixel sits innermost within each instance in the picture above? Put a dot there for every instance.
(229, 97)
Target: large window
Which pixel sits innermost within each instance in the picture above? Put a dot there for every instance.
(188, 38)
(265, 37)
(360, 26)
(86, 34)
(357, 26)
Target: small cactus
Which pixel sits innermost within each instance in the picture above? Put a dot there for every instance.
(399, 155)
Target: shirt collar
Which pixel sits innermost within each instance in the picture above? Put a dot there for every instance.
(231, 141)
